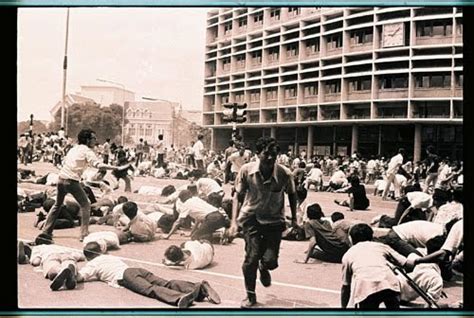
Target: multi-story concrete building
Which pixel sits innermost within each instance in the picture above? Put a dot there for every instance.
(338, 80)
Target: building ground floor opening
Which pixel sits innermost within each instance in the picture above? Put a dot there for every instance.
(366, 139)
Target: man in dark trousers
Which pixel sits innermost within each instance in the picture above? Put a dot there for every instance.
(259, 206)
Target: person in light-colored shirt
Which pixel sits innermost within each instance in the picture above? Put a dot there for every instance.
(192, 254)
(367, 280)
(393, 166)
(451, 210)
(107, 240)
(141, 227)
(198, 151)
(116, 273)
(315, 177)
(76, 161)
(207, 218)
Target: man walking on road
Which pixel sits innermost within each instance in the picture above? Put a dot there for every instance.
(259, 197)
(198, 149)
(393, 166)
(76, 161)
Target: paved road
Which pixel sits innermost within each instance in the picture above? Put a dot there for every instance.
(314, 285)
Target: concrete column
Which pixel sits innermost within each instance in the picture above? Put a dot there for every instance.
(379, 148)
(309, 152)
(273, 132)
(355, 138)
(213, 139)
(334, 146)
(417, 143)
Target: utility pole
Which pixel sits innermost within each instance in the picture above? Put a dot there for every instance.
(63, 104)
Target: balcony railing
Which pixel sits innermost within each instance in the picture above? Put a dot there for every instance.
(361, 47)
(358, 95)
(428, 40)
(310, 99)
(290, 101)
(458, 92)
(392, 93)
(332, 97)
(432, 92)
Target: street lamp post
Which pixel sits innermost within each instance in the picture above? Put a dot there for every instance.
(63, 104)
(123, 106)
(173, 114)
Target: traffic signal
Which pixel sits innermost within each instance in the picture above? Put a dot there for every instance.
(228, 115)
(234, 113)
(240, 116)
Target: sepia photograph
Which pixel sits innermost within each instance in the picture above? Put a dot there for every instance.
(240, 158)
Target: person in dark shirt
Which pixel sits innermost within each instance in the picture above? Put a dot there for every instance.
(357, 197)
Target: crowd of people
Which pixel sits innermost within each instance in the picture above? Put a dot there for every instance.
(423, 236)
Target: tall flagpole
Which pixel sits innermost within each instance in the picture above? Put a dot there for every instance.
(63, 104)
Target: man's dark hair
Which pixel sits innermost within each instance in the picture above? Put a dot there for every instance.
(435, 243)
(185, 195)
(412, 188)
(168, 190)
(108, 139)
(266, 143)
(200, 136)
(354, 180)
(401, 150)
(314, 212)
(214, 199)
(302, 165)
(336, 216)
(122, 199)
(84, 136)
(227, 206)
(130, 209)
(430, 149)
(361, 232)
(174, 253)
(92, 250)
(193, 189)
(165, 223)
(160, 137)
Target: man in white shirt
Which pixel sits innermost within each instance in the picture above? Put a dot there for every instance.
(160, 152)
(107, 240)
(116, 273)
(75, 162)
(198, 149)
(393, 166)
(53, 259)
(237, 160)
(191, 255)
(207, 218)
(338, 179)
(209, 190)
(142, 228)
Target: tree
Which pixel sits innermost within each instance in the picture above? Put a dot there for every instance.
(38, 127)
(105, 121)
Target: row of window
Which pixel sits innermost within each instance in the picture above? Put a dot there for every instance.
(361, 84)
(139, 130)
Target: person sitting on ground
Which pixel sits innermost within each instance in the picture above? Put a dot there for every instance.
(142, 228)
(324, 244)
(52, 259)
(426, 276)
(191, 254)
(116, 273)
(357, 197)
(207, 218)
(446, 254)
(367, 281)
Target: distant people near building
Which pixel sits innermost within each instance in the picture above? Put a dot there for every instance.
(106, 151)
(121, 172)
(61, 133)
(198, 151)
(432, 162)
(227, 153)
(76, 161)
(357, 197)
(190, 162)
(146, 151)
(139, 152)
(394, 165)
(160, 152)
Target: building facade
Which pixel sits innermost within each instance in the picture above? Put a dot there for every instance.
(107, 95)
(338, 80)
(147, 120)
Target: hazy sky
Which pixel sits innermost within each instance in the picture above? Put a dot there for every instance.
(155, 52)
